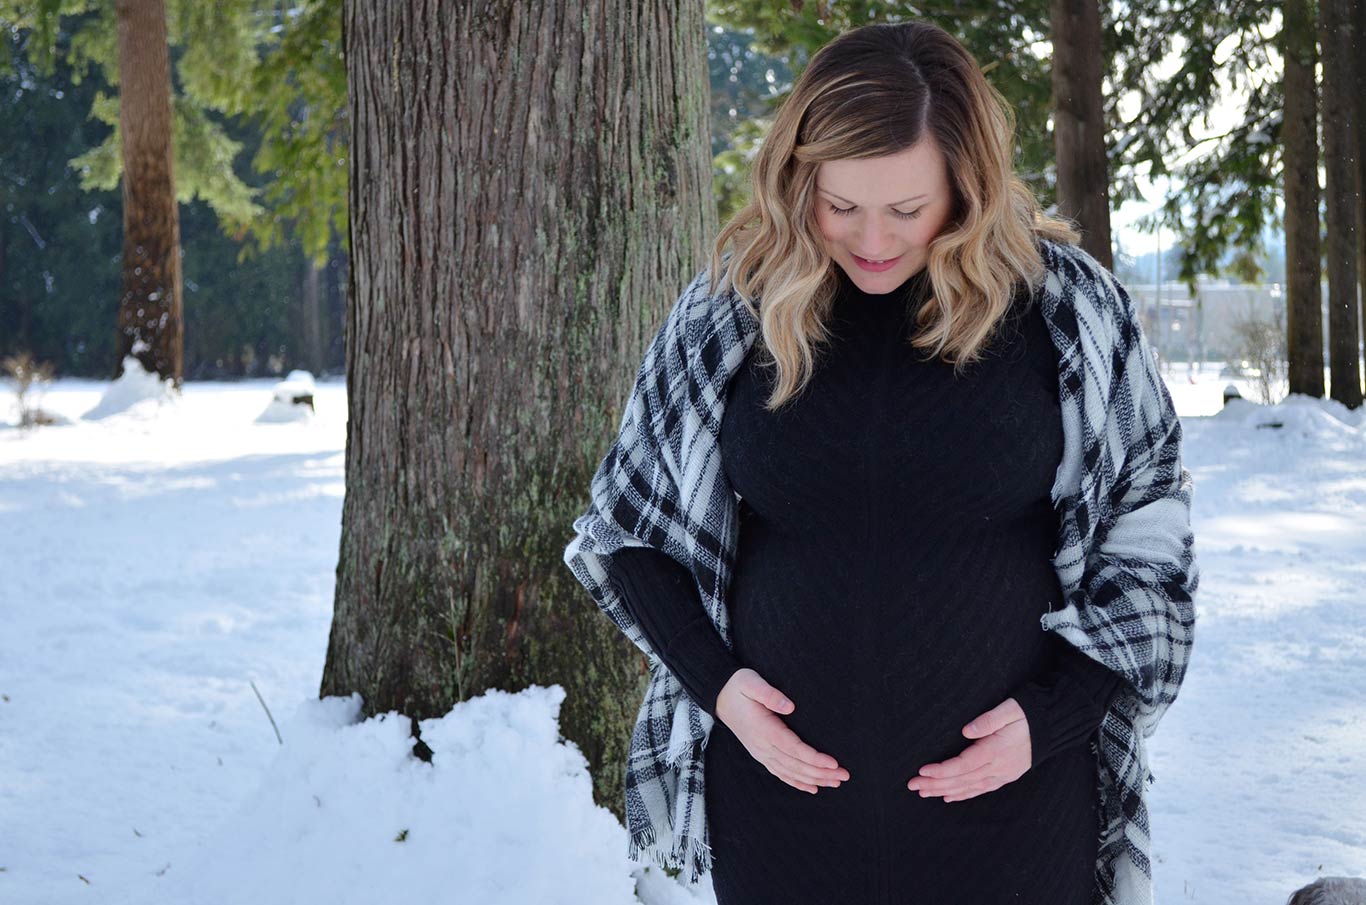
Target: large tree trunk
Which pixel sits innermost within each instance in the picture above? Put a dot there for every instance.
(151, 327)
(1299, 139)
(530, 191)
(1359, 54)
(1079, 123)
(1337, 35)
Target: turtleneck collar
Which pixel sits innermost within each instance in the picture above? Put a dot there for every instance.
(912, 290)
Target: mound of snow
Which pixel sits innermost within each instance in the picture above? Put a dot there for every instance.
(37, 417)
(291, 399)
(1298, 415)
(346, 815)
(137, 391)
(300, 376)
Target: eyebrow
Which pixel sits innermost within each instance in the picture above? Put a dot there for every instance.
(890, 204)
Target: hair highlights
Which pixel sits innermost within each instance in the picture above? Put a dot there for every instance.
(874, 91)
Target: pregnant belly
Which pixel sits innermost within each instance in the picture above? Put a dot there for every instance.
(885, 665)
(884, 673)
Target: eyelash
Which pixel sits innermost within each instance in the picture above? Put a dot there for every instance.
(844, 211)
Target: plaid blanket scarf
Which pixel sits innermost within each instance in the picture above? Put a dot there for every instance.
(1125, 554)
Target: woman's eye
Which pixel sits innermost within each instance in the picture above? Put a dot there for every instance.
(849, 210)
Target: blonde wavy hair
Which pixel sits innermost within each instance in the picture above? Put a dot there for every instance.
(874, 91)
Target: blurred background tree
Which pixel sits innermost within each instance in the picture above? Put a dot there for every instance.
(261, 131)
(262, 233)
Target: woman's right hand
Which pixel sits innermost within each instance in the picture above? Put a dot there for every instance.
(749, 707)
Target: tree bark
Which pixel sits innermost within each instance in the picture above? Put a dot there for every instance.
(1083, 180)
(150, 321)
(530, 190)
(310, 300)
(1359, 54)
(1300, 144)
(1337, 37)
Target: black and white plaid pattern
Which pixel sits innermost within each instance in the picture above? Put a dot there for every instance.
(1125, 557)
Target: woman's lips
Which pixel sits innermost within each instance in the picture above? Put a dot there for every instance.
(866, 264)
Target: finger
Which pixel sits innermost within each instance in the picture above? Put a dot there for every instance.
(791, 743)
(805, 771)
(985, 724)
(994, 719)
(972, 758)
(989, 782)
(972, 792)
(959, 789)
(793, 781)
(775, 700)
(938, 785)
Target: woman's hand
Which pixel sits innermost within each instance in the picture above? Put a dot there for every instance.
(1000, 755)
(749, 706)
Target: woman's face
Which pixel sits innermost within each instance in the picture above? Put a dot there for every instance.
(883, 209)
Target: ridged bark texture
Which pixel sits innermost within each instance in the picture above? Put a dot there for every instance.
(530, 191)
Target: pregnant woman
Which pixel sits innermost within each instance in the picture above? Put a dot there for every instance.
(841, 508)
(892, 568)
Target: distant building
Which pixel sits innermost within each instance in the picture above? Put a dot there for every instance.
(1182, 329)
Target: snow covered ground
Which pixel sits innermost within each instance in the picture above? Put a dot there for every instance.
(161, 559)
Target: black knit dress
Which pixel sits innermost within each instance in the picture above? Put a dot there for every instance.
(892, 565)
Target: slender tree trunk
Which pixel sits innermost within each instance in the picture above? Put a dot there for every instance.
(4, 293)
(530, 191)
(335, 299)
(23, 308)
(151, 327)
(310, 300)
(1079, 123)
(1304, 295)
(1337, 35)
(24, 301)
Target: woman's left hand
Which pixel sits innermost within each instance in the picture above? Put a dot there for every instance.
(1000, 755)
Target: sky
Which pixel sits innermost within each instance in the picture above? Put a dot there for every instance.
(1222, 116)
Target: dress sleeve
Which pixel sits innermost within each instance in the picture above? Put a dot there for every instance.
(661, 596)
(1066, 704)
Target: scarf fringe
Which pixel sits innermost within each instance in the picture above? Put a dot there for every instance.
(689, 855)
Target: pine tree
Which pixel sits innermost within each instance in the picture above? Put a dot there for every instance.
(1337, 36)
(1299, 137)
(1079, 126)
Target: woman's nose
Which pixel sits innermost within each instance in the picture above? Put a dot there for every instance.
(873, 237)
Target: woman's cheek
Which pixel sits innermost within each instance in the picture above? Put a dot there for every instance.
(829, 229)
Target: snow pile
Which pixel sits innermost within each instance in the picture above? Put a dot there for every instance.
(137, 767)
(1304, 417)
(346, 814)
(137, 392)
(29, 413)
(291, 399)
